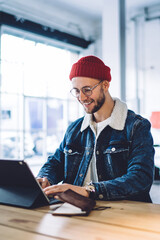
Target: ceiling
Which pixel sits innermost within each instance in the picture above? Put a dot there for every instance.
(78, 17)
(90, 9)
(93, 8)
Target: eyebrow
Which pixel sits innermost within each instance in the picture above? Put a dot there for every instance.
(83, 87)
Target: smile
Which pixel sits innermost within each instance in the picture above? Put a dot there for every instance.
(88, 103)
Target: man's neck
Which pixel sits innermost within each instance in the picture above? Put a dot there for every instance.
(105, 111)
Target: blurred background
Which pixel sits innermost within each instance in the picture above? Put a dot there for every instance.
(39, 42)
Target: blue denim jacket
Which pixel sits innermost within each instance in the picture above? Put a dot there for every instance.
(124, 157)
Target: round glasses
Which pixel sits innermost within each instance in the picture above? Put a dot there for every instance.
(87, 91)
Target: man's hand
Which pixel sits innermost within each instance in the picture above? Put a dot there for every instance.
(43, 182)
(52, 190)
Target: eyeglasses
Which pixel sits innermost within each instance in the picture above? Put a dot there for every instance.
(87, 91)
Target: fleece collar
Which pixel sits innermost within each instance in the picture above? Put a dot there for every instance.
(117, 118)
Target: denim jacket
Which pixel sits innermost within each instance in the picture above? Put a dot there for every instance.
(124, 156)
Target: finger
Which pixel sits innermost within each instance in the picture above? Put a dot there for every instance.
(52, 189)
(44, 182)
(39, 180)
(49, 191)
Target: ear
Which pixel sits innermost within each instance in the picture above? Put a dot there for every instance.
(106, 84)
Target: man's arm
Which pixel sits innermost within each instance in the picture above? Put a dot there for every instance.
(139, 177)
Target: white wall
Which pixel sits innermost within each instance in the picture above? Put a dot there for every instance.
(110, 43)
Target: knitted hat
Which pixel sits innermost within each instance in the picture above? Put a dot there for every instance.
(91, 67)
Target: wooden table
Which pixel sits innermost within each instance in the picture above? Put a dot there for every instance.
(125, 220)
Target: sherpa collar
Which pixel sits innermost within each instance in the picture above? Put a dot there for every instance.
(117, 118)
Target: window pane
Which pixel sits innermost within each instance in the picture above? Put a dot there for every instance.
(34, 74)
(12, 48)
(75, 110)
(33, 114)
(11, 112)
(12, 75)
(56, 124)
(57, 73)
(34, 144)
(11, 145)
(35, 150)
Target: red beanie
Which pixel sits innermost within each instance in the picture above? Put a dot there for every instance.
(91, 67)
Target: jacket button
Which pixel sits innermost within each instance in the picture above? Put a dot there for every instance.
(100, 196)
(113, 149)
(100, 177)
(81, 175)
(97, 152)
(70, 150)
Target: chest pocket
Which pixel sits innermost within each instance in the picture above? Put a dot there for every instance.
(116, 158)
(71, 150)
(73, 157)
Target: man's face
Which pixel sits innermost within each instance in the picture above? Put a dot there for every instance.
(96, 100)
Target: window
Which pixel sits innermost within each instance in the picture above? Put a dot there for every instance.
(35, 102)
(143, 65)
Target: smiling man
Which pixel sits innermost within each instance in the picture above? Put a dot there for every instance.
(108, 154)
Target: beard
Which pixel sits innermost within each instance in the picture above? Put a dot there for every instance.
(98, 103)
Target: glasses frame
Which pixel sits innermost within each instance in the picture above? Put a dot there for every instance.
(83, 88)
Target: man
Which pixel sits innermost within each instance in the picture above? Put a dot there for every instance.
(106, 155)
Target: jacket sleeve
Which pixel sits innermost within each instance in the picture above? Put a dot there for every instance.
(136, 183)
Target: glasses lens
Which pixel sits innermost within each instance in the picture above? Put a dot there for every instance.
(87, 91)
(75, 92)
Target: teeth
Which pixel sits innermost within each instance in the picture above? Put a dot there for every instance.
(87, 103)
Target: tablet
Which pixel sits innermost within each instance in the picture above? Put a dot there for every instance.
(19, 187)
